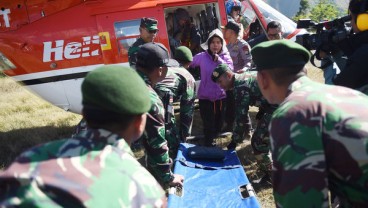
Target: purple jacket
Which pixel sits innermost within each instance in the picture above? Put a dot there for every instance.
(209, 90)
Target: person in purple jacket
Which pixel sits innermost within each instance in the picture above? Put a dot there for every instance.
(211, 96)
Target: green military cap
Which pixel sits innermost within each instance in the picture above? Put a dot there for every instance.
(116, 89)
(218, 71)
(279, 53)
(183, 53)
(149, 23)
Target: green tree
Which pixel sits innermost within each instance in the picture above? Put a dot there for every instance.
(324, 10)
(303, 10)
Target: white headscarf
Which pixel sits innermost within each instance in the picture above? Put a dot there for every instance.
(218, 33)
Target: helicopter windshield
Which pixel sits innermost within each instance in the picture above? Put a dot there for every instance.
(271, 14)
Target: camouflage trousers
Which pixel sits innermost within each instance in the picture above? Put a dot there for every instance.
(260, 142)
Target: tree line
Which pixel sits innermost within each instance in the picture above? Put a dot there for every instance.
(323, 10)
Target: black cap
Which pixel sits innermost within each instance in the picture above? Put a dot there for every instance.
(152, 55)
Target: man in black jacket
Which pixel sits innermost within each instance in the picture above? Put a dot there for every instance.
(355, 74)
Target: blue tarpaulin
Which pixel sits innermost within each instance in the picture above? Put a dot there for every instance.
(211, 183)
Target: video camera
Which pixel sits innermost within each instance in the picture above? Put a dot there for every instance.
(327, 34)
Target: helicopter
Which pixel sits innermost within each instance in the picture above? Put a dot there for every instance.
(49, 46)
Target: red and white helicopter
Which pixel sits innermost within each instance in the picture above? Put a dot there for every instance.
(50, 45)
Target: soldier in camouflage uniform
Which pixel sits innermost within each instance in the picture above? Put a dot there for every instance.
(319, 134)
(247, 93)
(152, 63)
(178, 85)
(182, 85)
(148, 31)
(171, 131)
(97, 169)
(239, 51)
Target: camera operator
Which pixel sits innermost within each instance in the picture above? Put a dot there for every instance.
(355, 73)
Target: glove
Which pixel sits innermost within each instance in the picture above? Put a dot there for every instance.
(231, 146)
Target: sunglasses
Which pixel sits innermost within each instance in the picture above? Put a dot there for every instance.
(151, 31)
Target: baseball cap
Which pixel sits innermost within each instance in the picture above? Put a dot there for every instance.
(152, 55)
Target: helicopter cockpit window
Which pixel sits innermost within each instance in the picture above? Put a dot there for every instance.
(270, 14)
(250, 22)
(126, 33)
(248, 16)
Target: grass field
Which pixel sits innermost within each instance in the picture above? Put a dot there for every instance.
(26, 120)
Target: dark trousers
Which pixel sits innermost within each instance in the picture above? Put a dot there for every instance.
(212, 114)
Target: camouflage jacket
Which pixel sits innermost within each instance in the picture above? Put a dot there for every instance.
(133, 51)
(246, 93)
(154, 140)
(97, 170)
(240, 54)
(319, 143)
(182, 84)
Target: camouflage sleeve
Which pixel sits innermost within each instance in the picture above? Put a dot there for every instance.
(242, 122)
(132, 56)
(187, 108)
(298, 154)
(155, 143)
(65, 173)
(256, 97)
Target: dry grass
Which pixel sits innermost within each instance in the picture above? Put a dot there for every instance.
(26, 120)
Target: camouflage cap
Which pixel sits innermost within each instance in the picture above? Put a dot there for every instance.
(149, 23)
(116, 89)
(182, 53)
(218, 71)
(279, 53)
